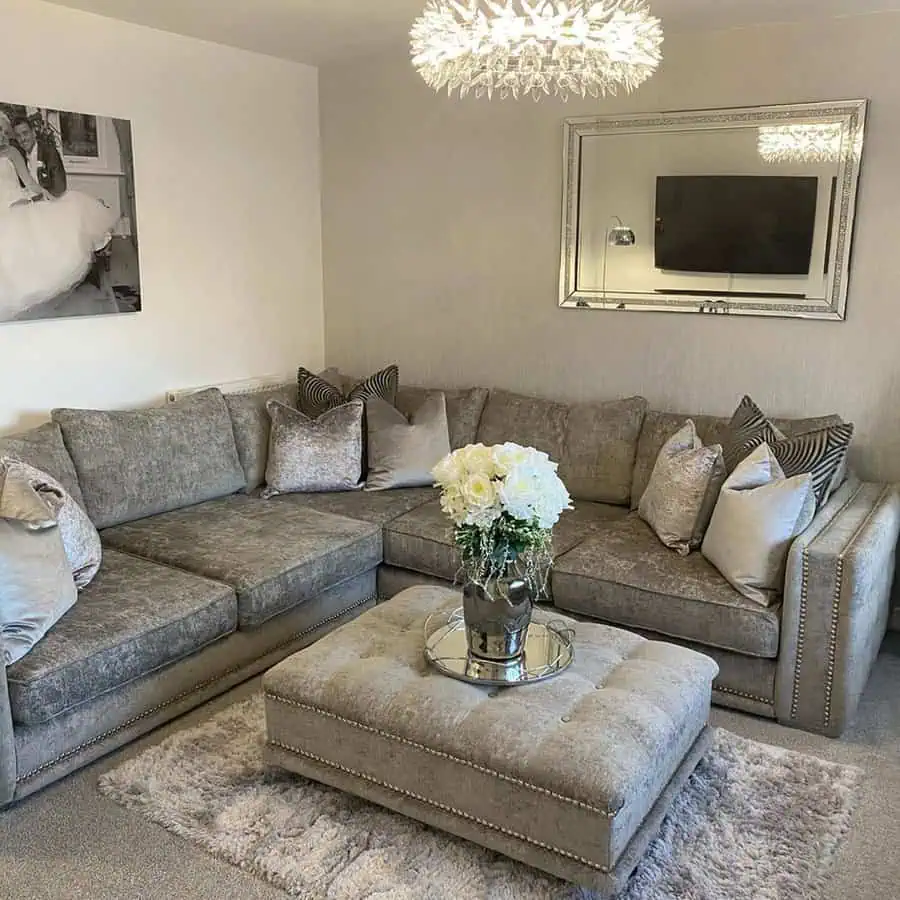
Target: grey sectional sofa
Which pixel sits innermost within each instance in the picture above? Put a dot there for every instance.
(204, 584)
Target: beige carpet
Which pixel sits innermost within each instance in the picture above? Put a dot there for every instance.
(755, 823)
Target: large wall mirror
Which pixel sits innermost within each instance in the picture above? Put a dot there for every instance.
(732, 211)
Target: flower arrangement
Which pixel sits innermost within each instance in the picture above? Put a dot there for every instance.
(503, 502)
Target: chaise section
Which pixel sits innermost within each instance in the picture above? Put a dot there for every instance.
(377, 507)
(136, 617)
(623, 575)
(422, 540)
(836, 607)
(274, 555)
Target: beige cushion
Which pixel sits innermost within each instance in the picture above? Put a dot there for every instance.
(758, 515)
(683, 489)
(600, 447)
(36, 583)
(310, 455)
(79, 536)
(402, 452)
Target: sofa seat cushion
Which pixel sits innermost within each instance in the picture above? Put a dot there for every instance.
(275, 555)
(624, 576)
(134, 618)
(379, 507)
(422, 540)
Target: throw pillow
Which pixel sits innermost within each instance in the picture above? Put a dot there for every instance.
(80, 539)
(464, 409)
(319, 393)
(822, 454)
(36, 583)
(683, 489)
(749, 427)
(402, 452)
(314, 455)
(759, 514)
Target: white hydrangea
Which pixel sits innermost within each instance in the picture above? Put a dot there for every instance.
(479, 484)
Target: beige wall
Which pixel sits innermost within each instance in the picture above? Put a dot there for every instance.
(228, 195)
(441, 240)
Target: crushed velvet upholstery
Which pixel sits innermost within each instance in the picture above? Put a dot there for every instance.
(43, 448)
(251, 423)
(134, 618)
(464, 409)
(623, 575)
(422, 540)
(47, 752)
(660, 426)
(524, 420)
(378, 508)
(273, 554)
(137, 463)
(837, 603)
(600, 447)
(578, 774)
(7, 745)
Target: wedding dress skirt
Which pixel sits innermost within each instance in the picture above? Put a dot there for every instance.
(46, 248)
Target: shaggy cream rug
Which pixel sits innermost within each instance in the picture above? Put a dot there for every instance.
(754, 823)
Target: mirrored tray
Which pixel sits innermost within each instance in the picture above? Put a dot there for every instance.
(548, 651)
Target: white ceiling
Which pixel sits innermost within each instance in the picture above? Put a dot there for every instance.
(319, 31)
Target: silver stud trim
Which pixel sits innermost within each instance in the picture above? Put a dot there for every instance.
(440, 754)
(725, 690)
(441, 806)
(184, 694)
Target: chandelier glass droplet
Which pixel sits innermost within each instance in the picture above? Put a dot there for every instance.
(518, 48)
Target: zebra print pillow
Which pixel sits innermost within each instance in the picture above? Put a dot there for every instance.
(819, 453)
(316, 396)
(749, 428)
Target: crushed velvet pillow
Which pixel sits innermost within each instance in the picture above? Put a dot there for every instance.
(314, 455)
(683, 490)
(79, 536)
(36, 583)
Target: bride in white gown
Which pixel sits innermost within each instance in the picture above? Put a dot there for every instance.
(47, 245)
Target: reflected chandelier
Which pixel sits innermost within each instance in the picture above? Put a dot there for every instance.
(802, 143)
(519, 48)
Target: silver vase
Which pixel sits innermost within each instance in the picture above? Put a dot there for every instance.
(497, 616)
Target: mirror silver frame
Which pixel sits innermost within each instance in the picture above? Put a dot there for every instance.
(852, 116)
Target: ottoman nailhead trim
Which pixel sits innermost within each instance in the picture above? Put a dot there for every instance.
(804, 607)
(440, 754)
(441, 806)
(725, 690)
(198, 687)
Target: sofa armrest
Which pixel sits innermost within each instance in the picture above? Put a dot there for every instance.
(7, 743)
(837, 602)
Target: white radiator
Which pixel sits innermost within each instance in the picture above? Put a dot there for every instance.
(249, 386)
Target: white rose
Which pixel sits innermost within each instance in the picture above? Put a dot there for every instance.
(478, 460)
(450, 470)
(479, 492)
(508, 457)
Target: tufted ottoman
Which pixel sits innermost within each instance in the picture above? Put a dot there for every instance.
(572, 775)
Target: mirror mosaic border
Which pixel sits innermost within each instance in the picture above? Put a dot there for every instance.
(852, 116)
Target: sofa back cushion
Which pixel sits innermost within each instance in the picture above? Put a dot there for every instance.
(138, 463)
(464, 410)
(43, 448)
(600, 448)
(252, 424)
(660, 426)
(524, 420)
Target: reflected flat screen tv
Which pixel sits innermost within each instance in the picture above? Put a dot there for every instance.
(736, 224)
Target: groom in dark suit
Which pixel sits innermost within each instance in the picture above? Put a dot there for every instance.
(42, 158)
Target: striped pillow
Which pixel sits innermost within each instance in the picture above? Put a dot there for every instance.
(749, 428)
(819, 453)
(316, 395)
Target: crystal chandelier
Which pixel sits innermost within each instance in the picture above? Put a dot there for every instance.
(519, 48)
(802, 143)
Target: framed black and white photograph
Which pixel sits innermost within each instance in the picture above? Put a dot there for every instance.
(68, 215)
